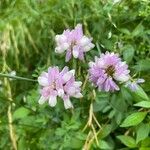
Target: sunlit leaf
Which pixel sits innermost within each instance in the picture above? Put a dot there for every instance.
(21, 113)
(127, 140)
(134, 119)
(144, 104)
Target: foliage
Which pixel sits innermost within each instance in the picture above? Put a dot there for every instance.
(100, 120)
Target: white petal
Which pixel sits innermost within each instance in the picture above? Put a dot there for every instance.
(68, 104)
(60, 92)
(62, 38)
(42, 100)
(52, 101)
(140, 81)
(87, 48)
(122, 78)
(75, 53)
(57, 37)
(91, 64)
(67, 76)
(72, 71)
(65, 46)
(78, 95)
(43, 81)
(59, 50)
(77, 83)
(84, 41)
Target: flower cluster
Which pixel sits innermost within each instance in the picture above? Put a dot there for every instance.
(74, 43)
(107, 70)
(57, 83)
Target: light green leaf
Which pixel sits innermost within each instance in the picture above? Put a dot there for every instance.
(104, 145)
(144, 104)
(134, 119)
(76, 143)
(125, 31)
(139, 93)
(138, 30)
(128, 53)
(21, 113)
(144, 148)
(142, 132)
(127, 140)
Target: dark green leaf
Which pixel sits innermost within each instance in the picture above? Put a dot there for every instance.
(106, 130)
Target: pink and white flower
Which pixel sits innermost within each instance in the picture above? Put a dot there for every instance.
(107, 71)
(74, 42)
(57, 83)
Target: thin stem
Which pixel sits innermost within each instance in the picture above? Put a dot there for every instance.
(95, 135)
(96, 121)
(16, 77)
(85, 82)
(11, 128)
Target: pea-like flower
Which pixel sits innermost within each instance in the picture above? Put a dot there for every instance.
(133, 85)
(74, 43)
(107, 71)
(55, 83)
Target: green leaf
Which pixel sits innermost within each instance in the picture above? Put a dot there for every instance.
(76, 143)
(104, 145)
(22, 143)
(125, 31)
(144, 148)
(100, 104)
(21, 113)
(138, 30)
(145, 142)
(139, 93)
(106, 130)
(127, 140)
(128, 53)
(143, 65)
(60, 132)
(144, 104)
(142, 132)
(134, 119)
(127, 95)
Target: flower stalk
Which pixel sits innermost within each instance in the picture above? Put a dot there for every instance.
(16, 77)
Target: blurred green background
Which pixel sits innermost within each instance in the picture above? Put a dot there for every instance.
(27, 31)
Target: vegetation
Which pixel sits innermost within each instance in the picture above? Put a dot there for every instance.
(99, 120)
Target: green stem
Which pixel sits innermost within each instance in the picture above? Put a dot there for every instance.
(16, 77)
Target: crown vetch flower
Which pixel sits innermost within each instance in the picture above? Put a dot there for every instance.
(74, 43)
(107, 71)
(55, 83)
